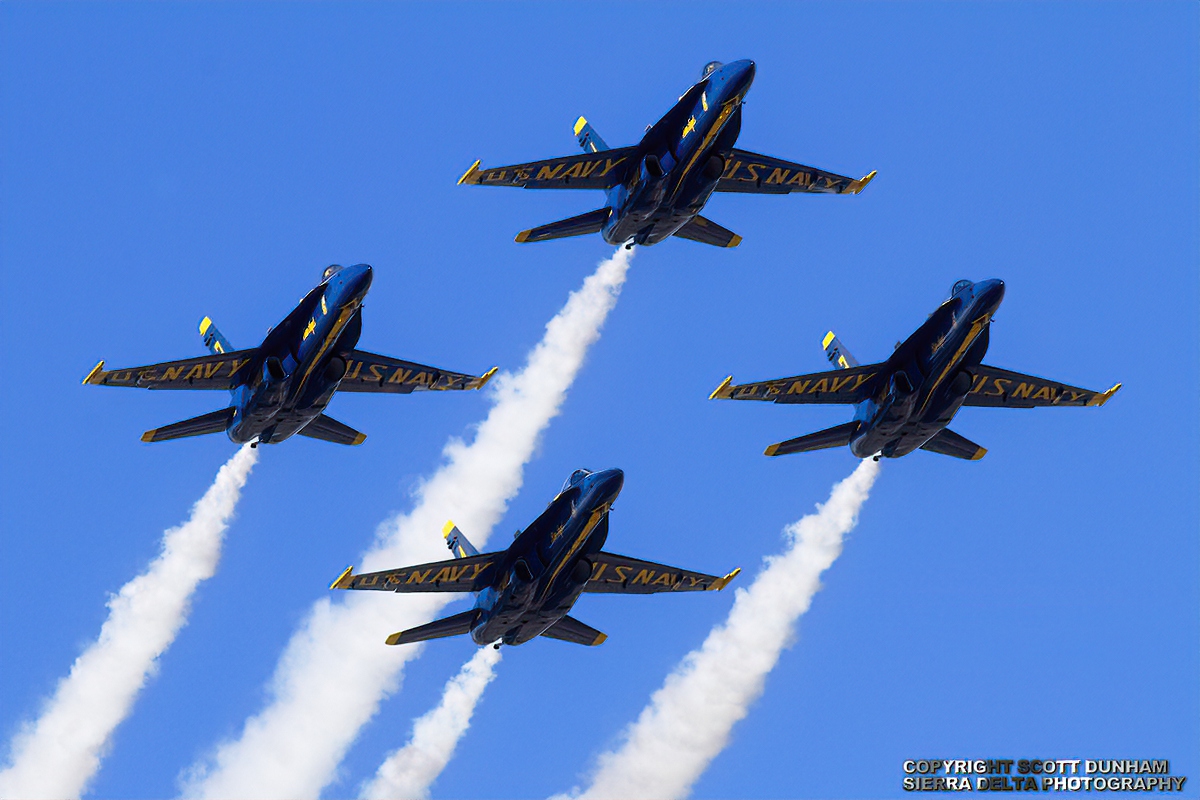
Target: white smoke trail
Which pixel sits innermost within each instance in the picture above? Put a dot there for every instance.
(59, 753)
(409, 771)
(336, 670)
(688, 721)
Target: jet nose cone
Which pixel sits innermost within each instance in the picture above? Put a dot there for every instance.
(743, 75)
(360, 278)
(990, 292)
(609, 483)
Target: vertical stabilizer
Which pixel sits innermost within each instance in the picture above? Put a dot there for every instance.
(213, 340)
(837, 353)
(457, 541)
(587, 137)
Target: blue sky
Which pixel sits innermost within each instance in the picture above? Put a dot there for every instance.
(164, 162)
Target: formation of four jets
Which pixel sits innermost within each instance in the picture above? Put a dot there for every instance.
(654, 190)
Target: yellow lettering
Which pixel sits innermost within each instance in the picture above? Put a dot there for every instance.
(753, 170)
(147, 375)
(666, 579)
(171, 373)
(799, 179)
(798, 387)
(643, 576)
(211, 369)
(608, 166)
(820, 386)
(731, 170)
(1023, 389)
(547, 174)
(352, 374)
(837, 384)
(574, 172)
(237, 364)
(522, 175)
(495, 175)
(196, 371)
(421, 378)
(977, 383)
(416, 576)
(778, 175)
(1044, 393)
(399, 375)
(479, 568)
(598, 570)
(377, 372)
(1000, 390)
(217, 346)
(622, 573)
(860, 380)
(589, 168)
(443, 574)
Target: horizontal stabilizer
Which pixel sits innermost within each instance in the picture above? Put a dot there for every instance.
(439, 628)
(949, 443)
(212, 422)
(590, 222)
(837, 436)
(706, 231)
(328, 429)
(588, 139)
(457, 541)
(569, 629)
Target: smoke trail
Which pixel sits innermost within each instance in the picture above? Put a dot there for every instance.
(57, 755)
(409, 771)
(336, 670)
(688, 721)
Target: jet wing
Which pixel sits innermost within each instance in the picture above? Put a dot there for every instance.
(847, 386)
(601, 170)
(369, 372)
(468, 574)
(993, 386)
(614, 574)
(217, 371)
(751, 172)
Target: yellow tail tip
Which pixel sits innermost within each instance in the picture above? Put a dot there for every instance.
(470, 173)
(829, 337)
(204, 325)
(343, 580)
(717, 392)
(485, 377)
(862, 182)
(579, 123)
(449, 526)
(99, 366)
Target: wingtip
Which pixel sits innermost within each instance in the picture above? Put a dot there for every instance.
(359, 439)
(148, 436)
(99, 366)
(523, 236)
(719, 392)
(721, 583)
(485, 377)
(579, 123)
(735, 241)
(1104, 397)
(862, 182)
(343, 580)
(394, 638)
(600, 637)
(980, 453)
(772, 450)
(470, 173)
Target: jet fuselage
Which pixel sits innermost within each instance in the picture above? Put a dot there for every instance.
(681, 158)
(927, 378)
(302, 360)
(546, 567)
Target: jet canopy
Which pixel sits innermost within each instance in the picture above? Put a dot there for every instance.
(575, 478)
(959, 286)
(330, 271)
(710, 68)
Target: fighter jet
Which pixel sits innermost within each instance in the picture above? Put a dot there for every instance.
(906, 402)
(282, 386)
(657, 187)
(526, 591)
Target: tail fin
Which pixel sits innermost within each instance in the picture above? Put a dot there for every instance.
(569, 629)
(457, 541)
(948, 443)
(213, 340)
(706, 231)
(590, 222)
(837, 436)
(588, 139)
(447, 626)
(212, 422)
(837, 353)
(330, 430)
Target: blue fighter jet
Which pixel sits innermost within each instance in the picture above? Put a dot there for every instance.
(282, 386)
(658, 187)
(527, 590)
(906, 402)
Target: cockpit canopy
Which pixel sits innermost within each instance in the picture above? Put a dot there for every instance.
(710, 68)
(959, 286)
(330, 271)
(575, 478)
